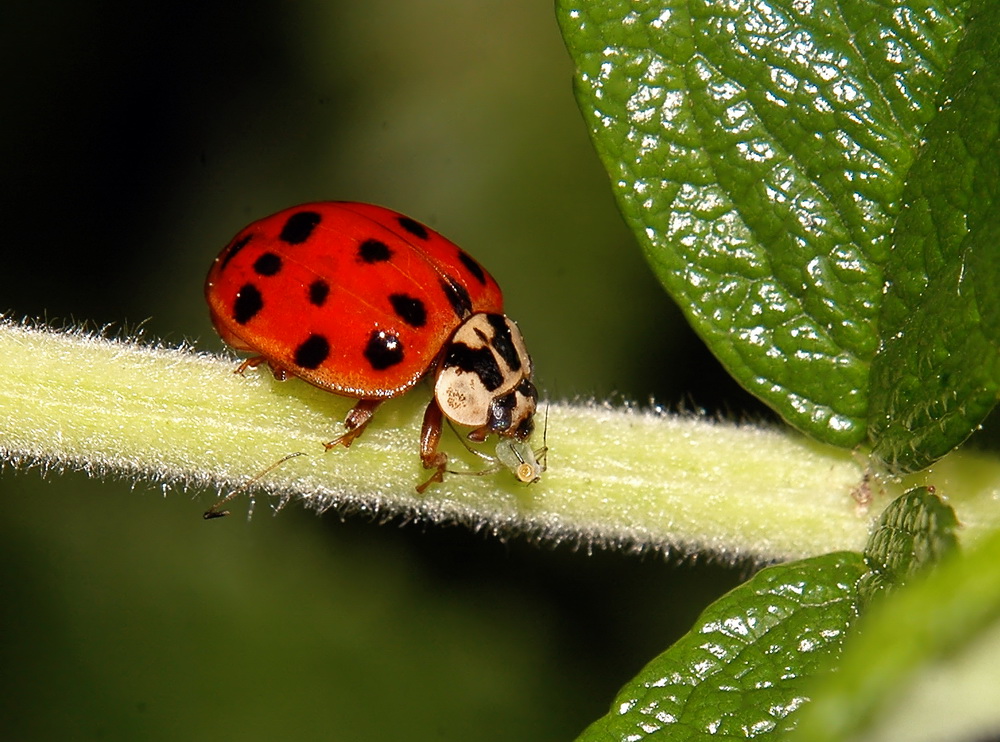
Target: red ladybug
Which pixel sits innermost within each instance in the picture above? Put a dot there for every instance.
(364, 302)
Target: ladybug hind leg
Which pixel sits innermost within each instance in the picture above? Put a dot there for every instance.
(430, 436)
(355, 422)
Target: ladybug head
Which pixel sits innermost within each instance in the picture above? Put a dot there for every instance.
(484, 379)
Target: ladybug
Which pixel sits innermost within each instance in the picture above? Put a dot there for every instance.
(365, 302)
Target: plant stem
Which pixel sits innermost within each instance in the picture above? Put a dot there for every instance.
(624, 478)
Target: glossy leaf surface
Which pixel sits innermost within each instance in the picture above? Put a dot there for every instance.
(761, 152)
(740, 672)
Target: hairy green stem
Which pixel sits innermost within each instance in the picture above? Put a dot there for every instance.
(616, 477)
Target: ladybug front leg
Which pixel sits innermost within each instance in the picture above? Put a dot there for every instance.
(430, 436)
(356, 422)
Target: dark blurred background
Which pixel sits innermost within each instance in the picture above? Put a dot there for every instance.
(138, 138)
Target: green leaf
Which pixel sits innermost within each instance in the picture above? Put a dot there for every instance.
(915, 531)
(938, 373)
(922, 664)
(740, 672)
(759, 151)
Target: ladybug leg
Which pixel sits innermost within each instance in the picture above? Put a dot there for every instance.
(253, 362)
(279, 373)
(355, 422)
(430, 436)
(479, 434)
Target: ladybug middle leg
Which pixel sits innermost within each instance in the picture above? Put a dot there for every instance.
(355, 422)
(430, 436)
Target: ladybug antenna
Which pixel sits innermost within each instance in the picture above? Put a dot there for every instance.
(216, 512)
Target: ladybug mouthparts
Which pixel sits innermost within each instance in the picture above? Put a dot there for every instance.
(484, 378)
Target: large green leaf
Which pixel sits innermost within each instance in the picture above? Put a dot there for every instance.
(741, 670)
(938, 372)
(759, 150)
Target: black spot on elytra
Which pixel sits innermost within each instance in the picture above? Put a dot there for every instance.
(479, 361)
(409, 309)
(373, 251)
(474, 268)
(457, 296)
(414, 227)
(318, 291)
(233, 250)
(267, 264)
(383, 350)
(503, 342)
(299, 227)
(312, 352)
(248, 303)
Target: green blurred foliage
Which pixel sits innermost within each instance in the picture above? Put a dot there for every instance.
(127, 617)
(140, 137)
